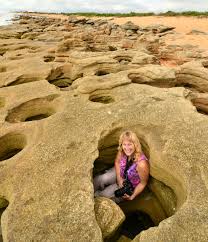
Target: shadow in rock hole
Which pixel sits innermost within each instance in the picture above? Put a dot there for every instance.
(3, 205)
(135, 223)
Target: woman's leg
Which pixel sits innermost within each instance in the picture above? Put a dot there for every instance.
(105, 179)
(105, 185)
(107, 192)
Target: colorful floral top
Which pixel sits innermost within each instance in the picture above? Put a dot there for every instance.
(133, 176)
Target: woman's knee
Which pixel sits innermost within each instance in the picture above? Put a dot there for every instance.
(109, 191)
(100, 181)
(104, 179)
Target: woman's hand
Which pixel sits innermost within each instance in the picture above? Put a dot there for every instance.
(127, 197)
(120, 182)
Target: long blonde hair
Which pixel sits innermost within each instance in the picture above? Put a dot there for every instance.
(132, 137)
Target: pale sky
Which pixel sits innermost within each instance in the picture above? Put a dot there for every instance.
(107, 6)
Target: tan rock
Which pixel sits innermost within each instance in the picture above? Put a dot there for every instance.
(124, 239)
(91, 84)
(127, 44)
(12, 31)
(194, 76)
(155, 75)
(109, 216)
(165, 196)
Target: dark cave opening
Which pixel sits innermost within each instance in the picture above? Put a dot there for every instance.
(135, 223)
(11, 144)
(3, 205)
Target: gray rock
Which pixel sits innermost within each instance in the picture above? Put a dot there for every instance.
(158, 28)
(130, 26)
(197, 32)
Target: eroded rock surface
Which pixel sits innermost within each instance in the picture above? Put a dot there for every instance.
(109, 216)
(68, 89)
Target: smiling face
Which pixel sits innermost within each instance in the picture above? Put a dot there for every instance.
(128, 147)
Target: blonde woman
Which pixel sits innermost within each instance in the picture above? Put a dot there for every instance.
(129, 176)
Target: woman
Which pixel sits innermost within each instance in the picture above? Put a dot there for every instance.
(130, 164)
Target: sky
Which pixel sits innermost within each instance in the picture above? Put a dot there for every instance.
(107, 6)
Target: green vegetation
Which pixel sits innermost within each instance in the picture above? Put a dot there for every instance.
(132, 14)
(185, 13)
(93, 14)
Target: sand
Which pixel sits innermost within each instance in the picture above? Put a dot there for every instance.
(183, 26)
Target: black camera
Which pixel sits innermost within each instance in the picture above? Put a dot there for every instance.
(126, 189)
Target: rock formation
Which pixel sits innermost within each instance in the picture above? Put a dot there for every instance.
(68, 89)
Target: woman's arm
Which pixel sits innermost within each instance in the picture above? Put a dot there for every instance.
(143, 171)
(117, 168)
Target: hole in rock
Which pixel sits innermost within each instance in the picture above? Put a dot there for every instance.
(135, 223)
(11, 144)
(201, 105)
(156, 202)
(61, 82)
(205, 64)
(3, 205)
(123, 59)
(2, 52)
(79, 75)
(101, 98)
(35, 109)
(186, 85)
(61, 76)
(37, 117)
(49, 58)
(101, 73)
(112, 48)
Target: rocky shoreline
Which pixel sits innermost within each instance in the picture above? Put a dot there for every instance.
(68, 87)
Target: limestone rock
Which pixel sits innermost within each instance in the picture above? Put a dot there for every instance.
(155, 75)
(165, 195)
(196, 31)
(91, 84)
(130, 26)
(158, 28)
(12, 32)
(127, 44)
(109, 216)
(194, 76)
(150, 42)
(124, 239)
(30, 35)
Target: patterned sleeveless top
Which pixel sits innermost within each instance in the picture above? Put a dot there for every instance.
(133, 176)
